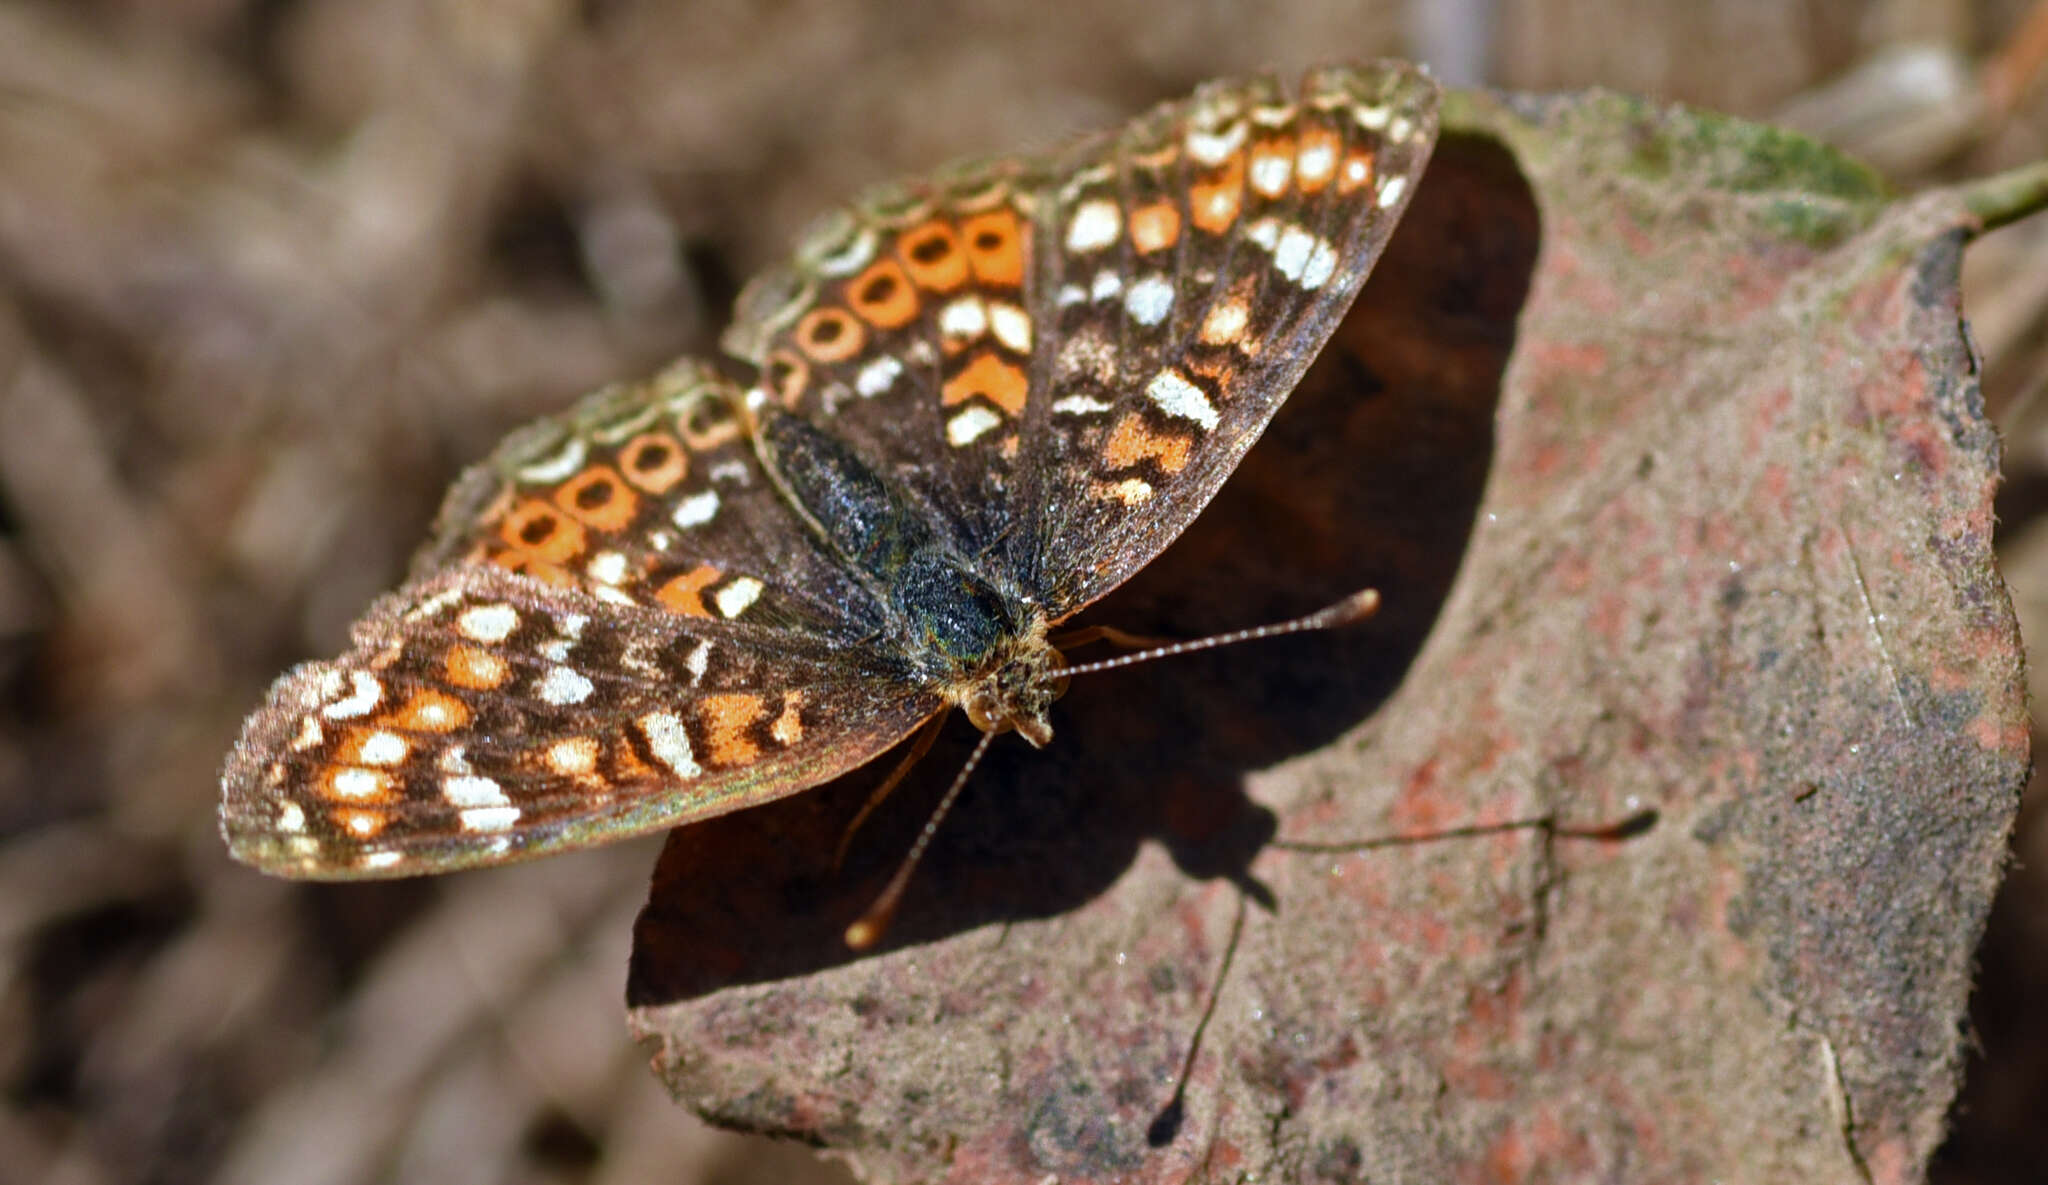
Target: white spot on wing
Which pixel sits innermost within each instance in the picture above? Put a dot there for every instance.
(1270, 174)
(1372, 118)
(1107, 284)
(469, 791)
(364, 696)
(696, 510)
(381, 859)
(310, 735)
(290, 817)
(1391, 190)
(1176, 396)
(488, 623)
(850, 258)
(563, 686)
(964, 318)
(559, 466)
(357, 783)
(1316, 161)
(739, 596)
(669, 741)
(968, 426)
(697, 661)
(1080, 405)
(607, 567)
(490, 818)
(1213, 148)
(1303, 258)
(877, 376)
(1226, 322)
(383, 748)
(1012, 327)
(1071, 295)
(1149, 300)
(1096, 225)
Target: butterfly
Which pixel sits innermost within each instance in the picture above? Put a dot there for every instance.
(968, 406)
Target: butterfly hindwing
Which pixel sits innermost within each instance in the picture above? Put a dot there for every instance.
(651, 494)
(619, 625)
(901, 326)
(481, 716)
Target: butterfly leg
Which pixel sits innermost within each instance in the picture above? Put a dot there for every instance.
(920, 745)
(1110, 634)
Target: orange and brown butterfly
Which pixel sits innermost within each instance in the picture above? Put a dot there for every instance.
(978, 401)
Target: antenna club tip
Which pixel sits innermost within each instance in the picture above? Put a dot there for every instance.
(861, 935)
(1356, 607)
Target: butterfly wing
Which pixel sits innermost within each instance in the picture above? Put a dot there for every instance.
(900, 326)
(1066, 356)
(1192, 266)
(619, 627)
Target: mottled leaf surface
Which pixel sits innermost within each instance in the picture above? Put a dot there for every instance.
(1660, 435)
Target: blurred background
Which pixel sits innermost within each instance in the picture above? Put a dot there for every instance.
(272, 270)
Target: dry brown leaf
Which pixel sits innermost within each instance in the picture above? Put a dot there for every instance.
(1726, 572)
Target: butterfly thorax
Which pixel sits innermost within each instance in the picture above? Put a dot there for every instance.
(969, 635)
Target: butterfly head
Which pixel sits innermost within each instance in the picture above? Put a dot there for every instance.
(1018, 690)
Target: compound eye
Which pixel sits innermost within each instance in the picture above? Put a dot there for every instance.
(981, 713)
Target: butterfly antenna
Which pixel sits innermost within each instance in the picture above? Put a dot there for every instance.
(1354, 608)
(865, 932)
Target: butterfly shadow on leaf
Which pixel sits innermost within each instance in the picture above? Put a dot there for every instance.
(1369, 476)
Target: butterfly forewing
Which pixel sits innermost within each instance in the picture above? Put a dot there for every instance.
(1191, 269)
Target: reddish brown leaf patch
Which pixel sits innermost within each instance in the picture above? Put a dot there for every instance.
(1731, 565)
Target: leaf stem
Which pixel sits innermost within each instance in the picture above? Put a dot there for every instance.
(2007, 197)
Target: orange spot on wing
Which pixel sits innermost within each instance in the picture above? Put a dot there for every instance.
(1155, 227)
(726, 720)
(830, 335)
(626, 766)
(655, 462)
(352, 783)
(708, 424)
(1132, 443)
(993, 379)
(1220, 373)
(882, 295)
(685, 593)
(787, 376)
(599, 498)
(1272, 167)
(1356, 172)
(932, 256)
(1317, 143)
(573, 757)
(1214, 202)
(428, 710)
(996, 245)
(468, 666)
(542, 532)
(541, 570)
(361, 824)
